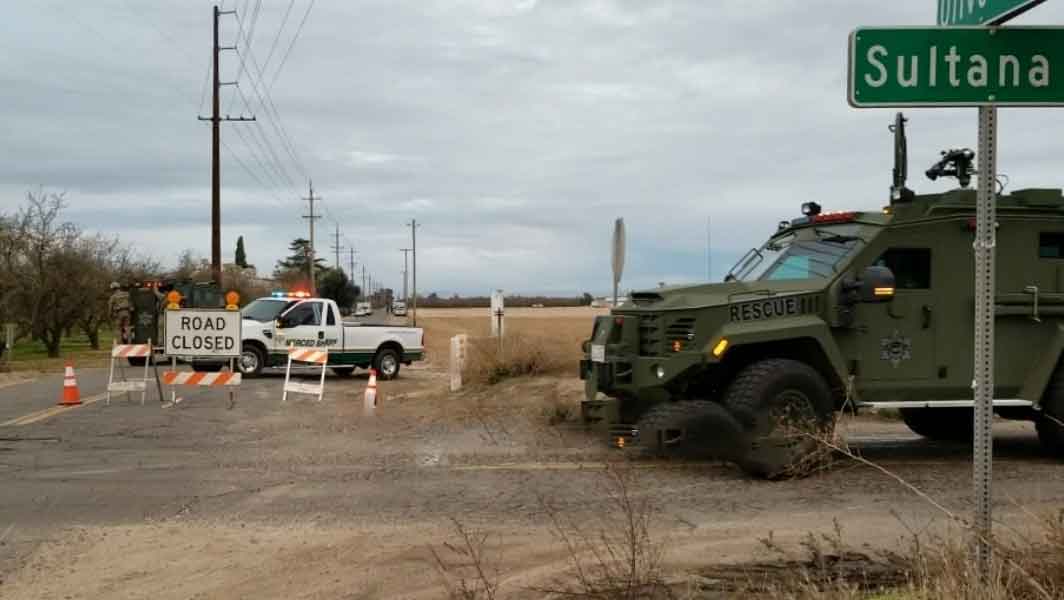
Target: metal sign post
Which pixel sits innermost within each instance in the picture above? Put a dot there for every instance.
(983, 373)
(618, 256)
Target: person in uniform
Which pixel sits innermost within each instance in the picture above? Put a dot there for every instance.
(121, 311)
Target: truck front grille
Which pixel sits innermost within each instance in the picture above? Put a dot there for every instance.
(681, 329)
(650, 339)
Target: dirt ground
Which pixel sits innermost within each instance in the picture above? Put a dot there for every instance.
(314, 500)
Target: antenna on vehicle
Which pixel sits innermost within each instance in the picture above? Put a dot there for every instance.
(898, 191)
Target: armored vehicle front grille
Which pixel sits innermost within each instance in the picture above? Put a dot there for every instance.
(650, 339)
(681, 329)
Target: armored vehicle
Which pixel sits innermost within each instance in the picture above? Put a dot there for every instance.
(841, 310)
(149, 307)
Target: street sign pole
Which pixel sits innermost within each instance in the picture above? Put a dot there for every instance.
(983, 382)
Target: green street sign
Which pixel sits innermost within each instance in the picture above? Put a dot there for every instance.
(956, 66)
(981, 12)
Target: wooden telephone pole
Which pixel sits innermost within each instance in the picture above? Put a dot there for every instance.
(216, 142)
(312, 217)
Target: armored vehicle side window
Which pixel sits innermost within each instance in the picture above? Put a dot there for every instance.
(1051, 245)
(911, 267)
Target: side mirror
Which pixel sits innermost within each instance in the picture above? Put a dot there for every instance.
(280, 323)
(875, 285)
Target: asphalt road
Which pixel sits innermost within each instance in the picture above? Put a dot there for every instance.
(78, 475)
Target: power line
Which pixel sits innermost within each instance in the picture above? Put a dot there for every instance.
(268, 106)
(251, 173)
(268, 146)
(277, 73)
(276, 38)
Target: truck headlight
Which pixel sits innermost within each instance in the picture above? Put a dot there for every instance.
(659, 371)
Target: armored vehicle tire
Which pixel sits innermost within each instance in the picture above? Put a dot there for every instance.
(343, 371)
(137, 361)
(386, 363)
(783, 406)
(946, 424)
(1050, 423)
(688, 429)
(252, 360)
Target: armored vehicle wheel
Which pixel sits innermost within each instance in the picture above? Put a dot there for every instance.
(1050, 423)
(783, 405)
(947, 424)
(689, 429)
(343, 371)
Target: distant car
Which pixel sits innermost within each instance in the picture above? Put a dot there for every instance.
(399, 309)
(537, 306)
(363, 309)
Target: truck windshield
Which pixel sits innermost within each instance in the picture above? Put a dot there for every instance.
(812, 253)
(265, 310)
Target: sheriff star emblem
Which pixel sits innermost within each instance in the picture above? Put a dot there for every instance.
(895, 349)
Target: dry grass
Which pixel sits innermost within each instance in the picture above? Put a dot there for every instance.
(537, 341)
(612, 554)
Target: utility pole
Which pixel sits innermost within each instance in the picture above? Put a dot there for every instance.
(406, 254)
(312, 217)
(365, 292)
(337, 248)
(216, 143)
(351, 262)
(413, 248)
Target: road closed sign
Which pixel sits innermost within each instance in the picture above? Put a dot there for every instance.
(203, 333)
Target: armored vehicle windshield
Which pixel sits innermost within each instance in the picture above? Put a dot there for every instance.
(807, 253)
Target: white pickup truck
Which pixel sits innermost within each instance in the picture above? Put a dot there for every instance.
(273, 323)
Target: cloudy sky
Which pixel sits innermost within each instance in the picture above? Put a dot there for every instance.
(514, 131)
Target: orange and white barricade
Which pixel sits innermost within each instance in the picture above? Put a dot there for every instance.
(126, 385)
(319, 356)
(223, 378)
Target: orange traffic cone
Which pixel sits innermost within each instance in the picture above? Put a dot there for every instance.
(71, 396)
(369, 400)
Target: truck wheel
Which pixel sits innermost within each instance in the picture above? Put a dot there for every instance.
(945, 424)
(689, 429)
(1050, 423)
(207, 367)
(137, 361)
(252, 360)
(343, 371)
(783, 405)
(386, 362)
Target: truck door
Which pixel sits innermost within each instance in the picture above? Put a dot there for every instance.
(303, 325)
(898, 337)
(334, 331)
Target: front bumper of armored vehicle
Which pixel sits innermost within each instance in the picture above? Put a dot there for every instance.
(634, 361)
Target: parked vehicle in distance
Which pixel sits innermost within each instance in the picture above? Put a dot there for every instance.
(399, 308)
(363, 309)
